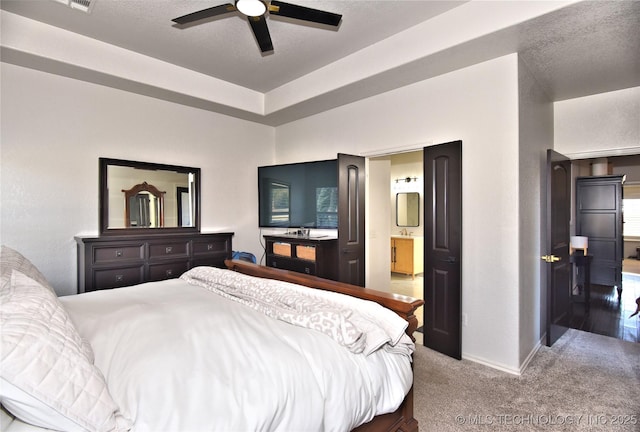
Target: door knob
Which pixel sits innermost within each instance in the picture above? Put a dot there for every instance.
(550, 258)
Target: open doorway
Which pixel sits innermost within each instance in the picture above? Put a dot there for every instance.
(396, 185)
(609, 312)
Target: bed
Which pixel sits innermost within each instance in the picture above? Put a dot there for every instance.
(240, 349)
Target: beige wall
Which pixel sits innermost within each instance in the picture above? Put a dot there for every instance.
(535, 117)
(53, 131)
(478, 105)
(605, 124)
(407, 164)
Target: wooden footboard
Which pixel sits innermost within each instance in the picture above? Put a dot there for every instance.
(400, 420)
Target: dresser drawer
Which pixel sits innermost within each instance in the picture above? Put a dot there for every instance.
(167, 270)
(117, 277)
(215, 247)
(118, 253)
(210, 261)
(176, 249)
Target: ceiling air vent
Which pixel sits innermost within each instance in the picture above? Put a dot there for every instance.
(82, 5)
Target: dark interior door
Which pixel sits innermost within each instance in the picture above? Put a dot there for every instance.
(351, 234)
(442, 248)
(556, 260)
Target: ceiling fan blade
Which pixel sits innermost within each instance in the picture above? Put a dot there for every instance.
(205, 13)
(261, 31)
(304, 13)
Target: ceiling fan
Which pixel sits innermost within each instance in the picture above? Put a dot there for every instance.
(256, 11)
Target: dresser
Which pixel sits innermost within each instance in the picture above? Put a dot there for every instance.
(117, 261)
(407, 255)
(314, 256)
(599, 218)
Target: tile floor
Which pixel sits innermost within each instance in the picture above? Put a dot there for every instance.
(405, 285)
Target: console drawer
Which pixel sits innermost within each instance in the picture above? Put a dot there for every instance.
(299, 266)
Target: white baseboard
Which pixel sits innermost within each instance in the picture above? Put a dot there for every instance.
(532, 354)
(504, 368)
(491, 364)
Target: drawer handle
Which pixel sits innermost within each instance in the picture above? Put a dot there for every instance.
(169, 272)
(168, 249)
(209, 247)
(307, 270)
(118, 253)
(119, 278)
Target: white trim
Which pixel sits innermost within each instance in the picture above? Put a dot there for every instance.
(532, 354)
(628, 151)
(396, 150)
(492, 365)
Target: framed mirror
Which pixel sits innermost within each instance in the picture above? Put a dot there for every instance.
(408, 209)
(146, 198)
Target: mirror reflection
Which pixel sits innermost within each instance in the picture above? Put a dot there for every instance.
(138, 195)
(144, 206)
(408, 209)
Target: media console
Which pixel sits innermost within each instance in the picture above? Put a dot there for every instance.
(316, 256)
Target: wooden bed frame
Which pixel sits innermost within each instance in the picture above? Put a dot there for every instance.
(400, 420)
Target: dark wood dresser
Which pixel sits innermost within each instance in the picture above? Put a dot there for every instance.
(117, 261)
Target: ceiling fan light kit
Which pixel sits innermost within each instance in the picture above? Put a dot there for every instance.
(251, 8)
(256, 12)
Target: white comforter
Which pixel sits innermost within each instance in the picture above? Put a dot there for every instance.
(178, 357)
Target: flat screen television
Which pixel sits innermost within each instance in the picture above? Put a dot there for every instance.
(299, 195)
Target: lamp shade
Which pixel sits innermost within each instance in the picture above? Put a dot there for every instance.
(578, 243)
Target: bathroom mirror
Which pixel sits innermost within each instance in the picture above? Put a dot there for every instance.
(142, 197)
(408, 209)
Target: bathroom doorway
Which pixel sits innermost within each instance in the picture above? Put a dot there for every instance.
(396, 225)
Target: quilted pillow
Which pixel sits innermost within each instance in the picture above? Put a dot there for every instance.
(13, 260)
(46, 377)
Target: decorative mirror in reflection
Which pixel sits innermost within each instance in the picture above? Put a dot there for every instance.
(144, 206)
(144, 197)
(408, 209)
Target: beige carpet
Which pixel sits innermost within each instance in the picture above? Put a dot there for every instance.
(585, 382)
(631, 266)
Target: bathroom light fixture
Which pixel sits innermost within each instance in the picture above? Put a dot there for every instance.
(252, 8)
(407, 179)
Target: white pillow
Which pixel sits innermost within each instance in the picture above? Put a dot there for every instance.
(47, 378)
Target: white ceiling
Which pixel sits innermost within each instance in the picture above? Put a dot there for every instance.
(581, 48)
(225, 47)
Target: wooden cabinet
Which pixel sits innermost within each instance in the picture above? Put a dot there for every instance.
(318, 257)
(599, 218)
(407, 255)
(118, 261)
